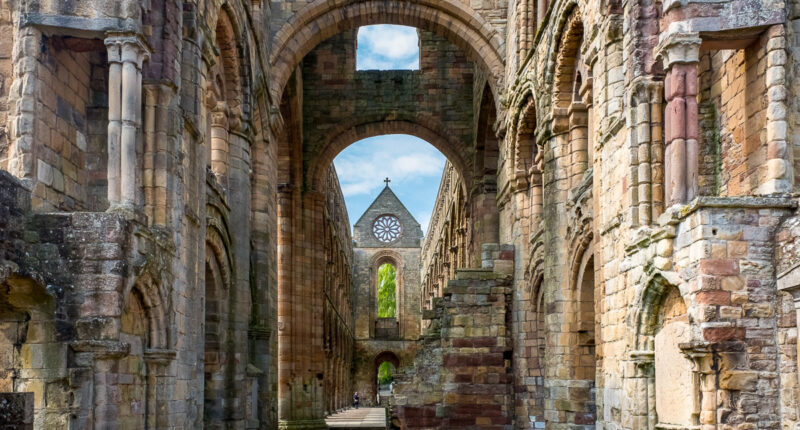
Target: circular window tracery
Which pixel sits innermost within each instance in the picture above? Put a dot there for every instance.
(387, 228)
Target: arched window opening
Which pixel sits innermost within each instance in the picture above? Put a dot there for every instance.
(387, 47)
(387, 291)
(135, 332)
(584, 361)
(586, 323)
(217, 358)
(572, 93)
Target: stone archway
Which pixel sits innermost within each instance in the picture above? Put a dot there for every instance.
(429, 131)
(318, 21)
(380, 359)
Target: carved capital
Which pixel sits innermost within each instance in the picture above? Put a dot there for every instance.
(126, 48)
(679, 48)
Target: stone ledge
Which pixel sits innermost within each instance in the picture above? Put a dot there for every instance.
(77, 26)
(302, 424)
(677, 212)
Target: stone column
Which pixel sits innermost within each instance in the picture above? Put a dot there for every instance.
(159, 388)
(578, 142)
(126, 53)
(301, 357)
(644, 381)
(220, 145)
(486, 222)
(680, 53)
(779, 167)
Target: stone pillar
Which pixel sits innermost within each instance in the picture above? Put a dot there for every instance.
(680, 53)
(578, 142)
(644, 381)
(220, 145)
(301, 357)
(485, 223)
(126, 53)
(646, 136)
(780, 173)
(159, 388)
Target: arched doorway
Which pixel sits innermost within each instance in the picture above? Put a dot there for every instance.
(386, 367)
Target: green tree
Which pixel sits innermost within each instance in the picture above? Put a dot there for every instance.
(385, 373)
(387, 277)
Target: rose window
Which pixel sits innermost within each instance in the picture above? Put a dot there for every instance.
(387, 229)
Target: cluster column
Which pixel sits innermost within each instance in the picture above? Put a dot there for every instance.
(126, 53)
(680, 53)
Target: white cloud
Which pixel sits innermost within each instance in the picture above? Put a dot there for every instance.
(362, 172)
(385, 47)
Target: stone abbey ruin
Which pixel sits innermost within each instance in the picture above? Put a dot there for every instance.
(615, 243)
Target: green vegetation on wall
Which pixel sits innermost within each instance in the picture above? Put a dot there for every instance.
(387, 277)
(385, 373)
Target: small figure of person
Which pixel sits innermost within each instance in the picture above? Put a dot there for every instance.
(355, 400)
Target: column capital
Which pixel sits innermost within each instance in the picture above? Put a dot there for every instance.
(127, 47)
(678, 48)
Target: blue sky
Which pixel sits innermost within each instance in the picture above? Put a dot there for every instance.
(413, 165)
(385, 47)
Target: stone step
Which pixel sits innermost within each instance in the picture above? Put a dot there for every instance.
(361, 418)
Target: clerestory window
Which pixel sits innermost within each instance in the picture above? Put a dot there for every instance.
(387, 47)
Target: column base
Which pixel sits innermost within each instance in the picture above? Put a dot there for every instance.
(302, 424)
(128, 211)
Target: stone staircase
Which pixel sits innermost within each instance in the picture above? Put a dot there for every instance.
(361, 418)
(461, 377)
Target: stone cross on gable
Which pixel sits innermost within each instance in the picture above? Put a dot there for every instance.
(387, 180)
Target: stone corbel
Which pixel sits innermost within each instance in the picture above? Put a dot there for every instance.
(560, 120)
(645, 363)
(102, 349)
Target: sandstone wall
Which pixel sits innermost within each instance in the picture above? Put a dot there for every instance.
(462, 376)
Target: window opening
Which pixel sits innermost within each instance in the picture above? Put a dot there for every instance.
(387, 47)
(387, 286)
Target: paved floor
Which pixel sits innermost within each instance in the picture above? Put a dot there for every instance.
(361, 418)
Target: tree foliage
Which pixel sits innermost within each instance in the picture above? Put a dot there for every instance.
(385, 371)
(387, 280)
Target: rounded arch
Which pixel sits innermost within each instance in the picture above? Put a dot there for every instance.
(154, 301)
(230, 80)
(567, 61)
(647, 308)
(395, 259)
(387, 256)
(425, 130)
(218, 242)
(387, 356)
(486, 141)
(525, 149)
(451, 19)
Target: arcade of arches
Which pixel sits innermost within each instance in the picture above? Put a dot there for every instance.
(615, 243)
